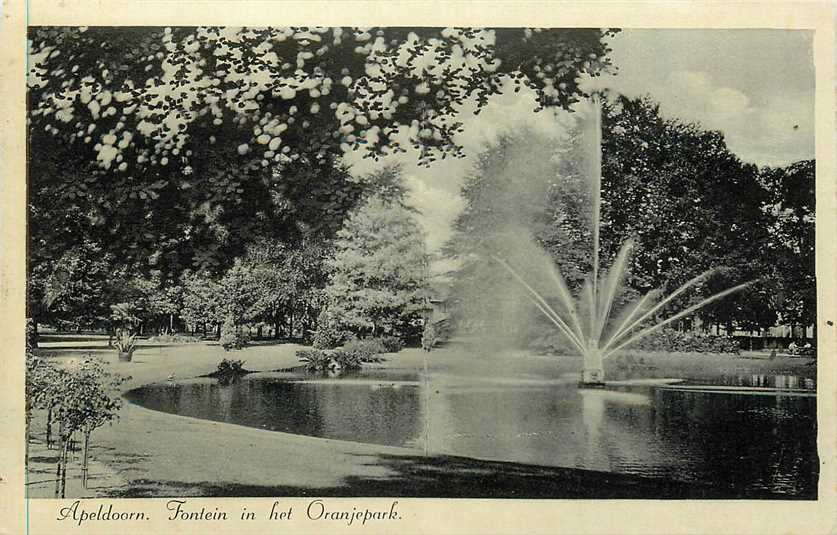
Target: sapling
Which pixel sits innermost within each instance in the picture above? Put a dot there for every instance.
(89, 399)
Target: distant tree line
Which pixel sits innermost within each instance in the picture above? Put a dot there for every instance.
(372, 275)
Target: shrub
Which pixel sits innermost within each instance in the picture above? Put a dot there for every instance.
(317, 360)
(392, 344)
(364, 350)
(670, 340)
(329, 334)
(31, 334)
(314, 359)
(229, 367)
(687, 342)
(347, 361)
(232, 337)
(174, 339)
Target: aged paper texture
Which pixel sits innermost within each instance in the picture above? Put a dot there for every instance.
(487, 457)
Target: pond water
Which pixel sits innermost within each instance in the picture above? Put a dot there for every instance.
(742, 442)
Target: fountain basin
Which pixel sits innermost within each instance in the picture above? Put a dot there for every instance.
(749, 444)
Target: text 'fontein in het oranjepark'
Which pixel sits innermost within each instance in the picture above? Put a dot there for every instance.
(589, 333)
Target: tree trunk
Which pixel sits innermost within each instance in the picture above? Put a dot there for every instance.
(58, 477)
(61, 466)
(85, 450)
(171, 323)
(34, 333)
(49, 427)
(64, 469)
(28, 425)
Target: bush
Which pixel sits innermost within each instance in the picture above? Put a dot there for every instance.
(230, 367)
(174, 339)
(31, 334)
(392, 344)
(229, 371)
(314, 359)
(317, 360)
(364, 350)
(328, 334)
(687, 342)
(347, 361)
(670, 340)
(231, 336)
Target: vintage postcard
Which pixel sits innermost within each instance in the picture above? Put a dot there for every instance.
(418, 267)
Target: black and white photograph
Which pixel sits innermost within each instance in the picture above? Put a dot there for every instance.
(498, 262)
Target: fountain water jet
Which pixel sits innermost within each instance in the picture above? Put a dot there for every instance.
(598, 293)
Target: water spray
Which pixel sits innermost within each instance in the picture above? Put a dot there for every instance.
(598, 293)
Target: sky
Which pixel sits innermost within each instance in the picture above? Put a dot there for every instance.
(755, 86)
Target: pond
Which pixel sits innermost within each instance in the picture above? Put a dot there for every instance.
(746, 443)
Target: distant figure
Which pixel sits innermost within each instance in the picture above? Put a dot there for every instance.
(792, 347)
(171, 377)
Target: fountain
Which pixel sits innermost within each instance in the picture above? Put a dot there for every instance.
(593, 336)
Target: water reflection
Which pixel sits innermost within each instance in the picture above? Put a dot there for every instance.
(781, 381)
(592, 414)
(743, 442)
(359, 412)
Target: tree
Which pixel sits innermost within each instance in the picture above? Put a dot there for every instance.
(690, 204)
(210, 136)
(203, 301)
(379, 271)
(73, 289)
(164, 303)
(232, 336)
(89, 398)
(792, 246)
(103, 402)
(42, 390)
(288, 283)
(506, 201)
(687, 202)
